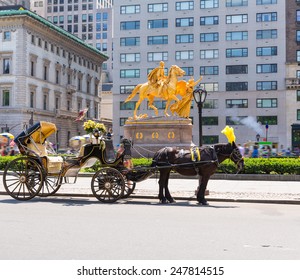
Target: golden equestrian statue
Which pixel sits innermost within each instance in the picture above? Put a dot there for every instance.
(157, 86)
(183, 107)
(165, 88)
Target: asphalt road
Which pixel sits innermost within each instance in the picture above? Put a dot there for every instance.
(66, 228)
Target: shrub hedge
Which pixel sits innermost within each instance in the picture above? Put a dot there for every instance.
(252, 165)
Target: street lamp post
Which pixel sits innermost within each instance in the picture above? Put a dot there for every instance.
(199, 97)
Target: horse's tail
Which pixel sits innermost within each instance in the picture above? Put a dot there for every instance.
(133, 93)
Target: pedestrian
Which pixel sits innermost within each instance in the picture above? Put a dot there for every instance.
(241, 149)
(255, 153)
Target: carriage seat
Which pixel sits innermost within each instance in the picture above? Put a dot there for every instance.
(54, 163)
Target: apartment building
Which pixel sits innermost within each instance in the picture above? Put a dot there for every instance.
(241, 48)
(46, 74)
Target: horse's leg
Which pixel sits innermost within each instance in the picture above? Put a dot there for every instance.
(201, 192)
(167, 192)
(137, 105)
(161, 182)
(151, 100)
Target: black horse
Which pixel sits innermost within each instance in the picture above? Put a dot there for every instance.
(203, 161)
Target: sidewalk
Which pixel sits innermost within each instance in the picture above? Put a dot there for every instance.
(259, 191)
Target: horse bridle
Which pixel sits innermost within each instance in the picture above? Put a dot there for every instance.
(236, 156)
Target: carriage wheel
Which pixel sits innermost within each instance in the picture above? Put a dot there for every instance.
(129, 188)
(108, 185)
(23, 178)
(50, 186)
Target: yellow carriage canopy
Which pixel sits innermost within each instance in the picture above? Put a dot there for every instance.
(39, 132)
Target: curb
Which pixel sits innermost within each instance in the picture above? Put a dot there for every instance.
(235, 200)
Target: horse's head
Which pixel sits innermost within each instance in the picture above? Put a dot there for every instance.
(232, 152)
(237, 157)
(177, 70)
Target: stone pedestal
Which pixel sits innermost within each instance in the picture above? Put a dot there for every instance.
(153, 133)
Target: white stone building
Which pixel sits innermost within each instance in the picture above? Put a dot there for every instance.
(45, 74)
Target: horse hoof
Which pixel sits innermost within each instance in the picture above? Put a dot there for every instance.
(162, 201)
(173, 201)
(203, 202)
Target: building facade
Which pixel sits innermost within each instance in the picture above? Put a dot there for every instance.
(46, 74)
(240, 47)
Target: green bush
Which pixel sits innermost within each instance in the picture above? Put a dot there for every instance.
(252, 165)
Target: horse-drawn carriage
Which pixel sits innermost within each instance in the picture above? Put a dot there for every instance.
(41, 172)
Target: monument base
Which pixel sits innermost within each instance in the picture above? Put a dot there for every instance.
(151, 134)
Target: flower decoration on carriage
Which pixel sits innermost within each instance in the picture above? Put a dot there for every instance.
(89, 126)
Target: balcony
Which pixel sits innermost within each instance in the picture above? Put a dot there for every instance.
(292, 83)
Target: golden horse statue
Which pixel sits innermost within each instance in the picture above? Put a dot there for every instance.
(165, 89)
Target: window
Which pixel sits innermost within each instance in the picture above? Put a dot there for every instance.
(157, 23)
(209, 54)
(265, 2)
(266, 68)
(298, 115)
(207, 4)
(129, 25)
(209, 37)
(237, 36)
(212, 20)
(184, 55)
(210, 121)
(236, 103)
(153, 8)
(266, 85)
(210, 139)
(298, 56)
(232, 19)
(236, 69)
(189, 71)
(130, 105)
(211, 104)
(157, 40)
(185, 5)
(32, 99)
(209, 70)
(261, 17)
(130, 57)
(241, 52)
(184, 38)
(298, 15)
(130, 41)
(234, 120)
(298, 36)
(6, 36)
(210, 86)
(270, 120)
(130, 9)
(5, 97)
(45, 101)
(123, 121)
(157, 56)
(126, 89)
(237, 86)
(235, 3)
(6, 66)
(183, 22)
(266, 34)
(265, 51)
(266, 103)
(130, 73)
(298, 95)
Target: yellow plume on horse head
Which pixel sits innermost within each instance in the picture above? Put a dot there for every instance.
(229, 133)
